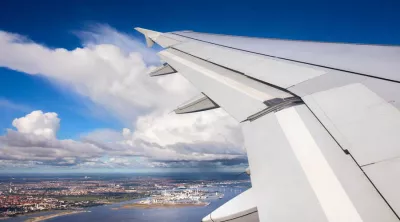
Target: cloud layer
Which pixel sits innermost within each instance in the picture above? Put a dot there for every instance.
(111, 70)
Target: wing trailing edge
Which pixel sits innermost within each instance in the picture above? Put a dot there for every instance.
(242, 208)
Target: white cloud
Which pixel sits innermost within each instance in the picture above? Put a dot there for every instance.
(30, 144)
(103, 135)
(167, 129)
(105, 73)
(111, 70)
(31, 147)
(38, 123)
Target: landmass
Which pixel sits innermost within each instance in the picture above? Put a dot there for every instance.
(50, 216)
(162, 205)
(22, 196)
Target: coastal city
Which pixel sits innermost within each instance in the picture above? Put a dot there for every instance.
(22, 196)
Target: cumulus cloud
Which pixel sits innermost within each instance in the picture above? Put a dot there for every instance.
(111, 70)
(38, 123)
(35, 142)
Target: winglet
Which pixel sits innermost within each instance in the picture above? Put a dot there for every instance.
(150, 35)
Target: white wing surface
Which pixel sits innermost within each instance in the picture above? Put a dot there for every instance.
(321, 122)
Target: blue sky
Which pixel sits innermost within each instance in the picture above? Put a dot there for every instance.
(343, 21)
(60, 24)
(53, 24)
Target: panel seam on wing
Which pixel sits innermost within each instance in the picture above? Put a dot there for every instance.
(238, 72)
(291, 60)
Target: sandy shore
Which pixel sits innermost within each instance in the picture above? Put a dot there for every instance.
(46, 217)
(148, 206)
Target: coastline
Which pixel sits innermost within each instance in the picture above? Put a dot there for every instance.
(46, 217)
(160, 205)
(75, 210)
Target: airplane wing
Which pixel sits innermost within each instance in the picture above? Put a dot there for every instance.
(321, 122)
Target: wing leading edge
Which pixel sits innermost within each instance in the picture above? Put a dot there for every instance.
(319, 134)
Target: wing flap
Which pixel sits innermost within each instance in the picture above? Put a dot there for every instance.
(360, 120)
(302, 174)
(385, 176)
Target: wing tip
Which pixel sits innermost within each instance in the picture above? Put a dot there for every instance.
(149, 35)
(141, 30)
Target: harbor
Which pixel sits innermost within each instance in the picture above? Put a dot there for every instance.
(179, 198)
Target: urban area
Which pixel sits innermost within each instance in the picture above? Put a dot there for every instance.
(22, 196)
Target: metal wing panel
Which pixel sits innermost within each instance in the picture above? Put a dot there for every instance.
(332, 79)
(239, 98)
(224, 95)
(367, 201)
(364, 118)
(276, 175)
(385, 176)
(273, 71)
(373, 60)
(303, 175)
(367, 124)
(165, 41)
(220, 55)
(389, 91)
(176, 37)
